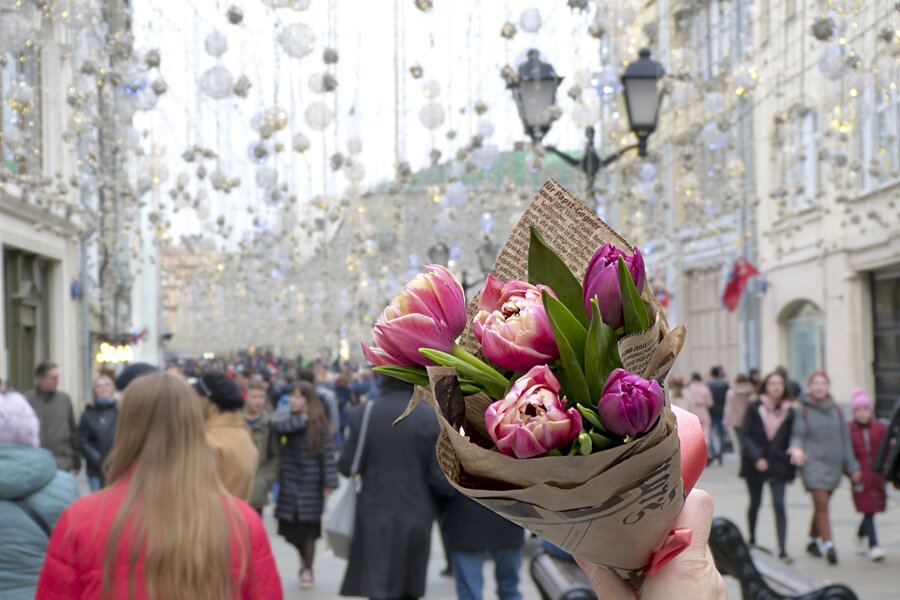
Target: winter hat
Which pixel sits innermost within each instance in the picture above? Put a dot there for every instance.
(860, 399)
(132, 372)
(18, 423)
(221, 390)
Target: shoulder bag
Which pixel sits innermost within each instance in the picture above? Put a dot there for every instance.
(339, 526)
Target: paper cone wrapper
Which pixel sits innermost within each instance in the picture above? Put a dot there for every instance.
(613, 508)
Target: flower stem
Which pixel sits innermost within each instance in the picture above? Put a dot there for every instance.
(469, 358)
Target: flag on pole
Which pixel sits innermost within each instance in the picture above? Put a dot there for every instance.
(737, 281)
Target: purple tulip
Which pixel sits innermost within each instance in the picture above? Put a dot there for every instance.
(430, 312)
(629, 404)
(512, 325)
(602, 280)
(532, 419)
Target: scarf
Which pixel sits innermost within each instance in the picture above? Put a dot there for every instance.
(773, 417)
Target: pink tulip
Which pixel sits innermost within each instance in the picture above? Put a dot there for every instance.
(430, 312)
(512, 325)
(532, 419)
(602, 280)
(629, 404)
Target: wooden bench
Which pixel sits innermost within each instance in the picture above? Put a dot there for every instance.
(763, 576)
(558, 579)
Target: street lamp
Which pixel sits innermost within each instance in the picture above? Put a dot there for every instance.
(535, 94)
(534, 91)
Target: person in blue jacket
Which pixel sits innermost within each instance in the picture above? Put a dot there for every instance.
(33, 494)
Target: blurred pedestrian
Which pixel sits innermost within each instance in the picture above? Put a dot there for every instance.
(33, 493)
(132, 372)
(820, 446)
(97, 430)
(475, 533)
(397, 506)
(164, 526)
(701, 402)
(227, 433)
(56, 416)
(719, 389)
(792, 386)
(258, 416)
(308, 474)
(328, 398)
(678, 394)
(737, 399)
(765, 435)
(869, 496)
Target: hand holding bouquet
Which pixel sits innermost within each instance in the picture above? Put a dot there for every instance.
(563, 427)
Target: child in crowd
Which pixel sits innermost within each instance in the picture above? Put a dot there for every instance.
(258, 415)
(868, 495)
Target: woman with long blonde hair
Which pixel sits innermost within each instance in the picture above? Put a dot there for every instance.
(163, 528)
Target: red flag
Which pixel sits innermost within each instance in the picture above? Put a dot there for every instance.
(737, 281)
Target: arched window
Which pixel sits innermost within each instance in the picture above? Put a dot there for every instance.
(805, 330)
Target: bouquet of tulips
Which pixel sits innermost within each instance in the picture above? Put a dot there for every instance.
(554, 416)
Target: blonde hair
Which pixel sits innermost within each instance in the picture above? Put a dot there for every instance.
(103, 376)
(176, 505)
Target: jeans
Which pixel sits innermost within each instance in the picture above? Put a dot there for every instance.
(717, 430)
(95, 482)
(867, 529)
(755, 489)
(467, 569)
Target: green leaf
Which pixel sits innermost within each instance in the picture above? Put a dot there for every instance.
(591, 417)
(570, 338)
(600, 441)
(492, 387)
(584, 443)
(414, 375)
(547, 268)
(636, 319)
(601, 353)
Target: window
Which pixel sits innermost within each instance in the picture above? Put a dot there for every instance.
(20, 111)
(878, 141)
(711, 38)
(801, 166)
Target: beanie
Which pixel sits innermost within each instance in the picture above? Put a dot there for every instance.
(859, 399)
(18, 423)
(132, 372)
(221, 390)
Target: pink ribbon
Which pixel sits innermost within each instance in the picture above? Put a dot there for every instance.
(693, 461)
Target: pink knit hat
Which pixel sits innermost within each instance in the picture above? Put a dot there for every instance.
(860, 399)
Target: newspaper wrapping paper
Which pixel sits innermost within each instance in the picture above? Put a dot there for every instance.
(613, 508)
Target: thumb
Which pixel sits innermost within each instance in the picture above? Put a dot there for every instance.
(697, 515)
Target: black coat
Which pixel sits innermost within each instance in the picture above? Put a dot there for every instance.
(304, 475)
(470, 527)
(96, 434)
(755, 445)
(887, 461)
(401, 484)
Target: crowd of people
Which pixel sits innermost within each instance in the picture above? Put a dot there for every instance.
(780, 430)
(171, 453)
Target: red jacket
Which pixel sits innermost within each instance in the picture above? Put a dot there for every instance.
(73, 566)
(869, 495)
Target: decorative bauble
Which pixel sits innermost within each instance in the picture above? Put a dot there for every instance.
(330, 56)
(146, 100)
(266, 177)
(424, 5)
(354, 145)
(299, 5)
(152, 58)
(579, 5)
(217, 82)
(20, 97)
(216, 44)
(160, 87)
(823, 28)
(832, 61)
(530, 20)
(258, 152)
(318, 115)
(297, 40)
(235, 15)
(416, 71)
(485, 128)
(300, 143)
(275, 118)
(355, 171)
(242, 86)
(508, 31)
(432, 115)
(319, 83)
(713, 136)
(431, 89)
(745, 79)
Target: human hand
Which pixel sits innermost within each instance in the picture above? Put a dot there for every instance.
(798, 456)
(856, 476)
(692, 573)
(762, 465)
(327, 492)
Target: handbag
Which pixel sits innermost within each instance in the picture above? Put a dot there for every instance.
(340, 524)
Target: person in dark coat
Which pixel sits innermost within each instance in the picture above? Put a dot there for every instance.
(718, 387)
(869, 496)
(54, 411)
(308, 473)
(887, 461)
(765, 437)
(474, 532)
(395, 510)
(97, 430)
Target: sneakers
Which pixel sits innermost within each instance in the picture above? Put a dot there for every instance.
(812, 549)
(876, 554)
(861, 544)
(785, 558)
(306, 579)
(831, 555)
